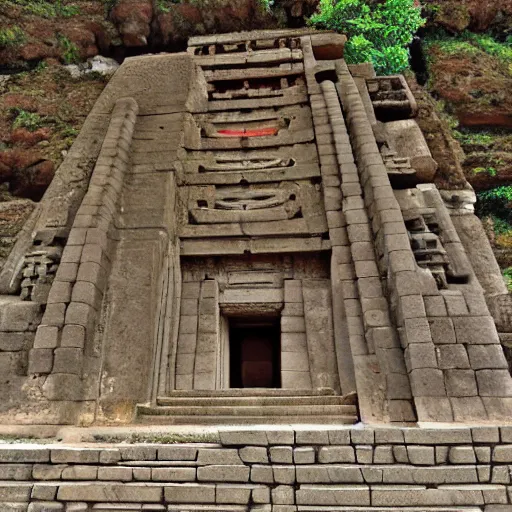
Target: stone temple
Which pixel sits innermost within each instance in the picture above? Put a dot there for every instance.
(248, 233)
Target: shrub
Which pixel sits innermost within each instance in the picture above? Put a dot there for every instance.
(507, 274)
(11, 36)
(47, 8)
(496, 202)
(70, 52)
(377, 32)
(28, 120)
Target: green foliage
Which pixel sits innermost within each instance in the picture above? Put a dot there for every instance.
(507, 274)
(28, 120)
(70, 52)
(11, 36)
(163, 5)
(377, 32)
(491, 171)
(483, 139)
(496, 202)
(47, 8)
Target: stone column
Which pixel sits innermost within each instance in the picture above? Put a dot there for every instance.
(208, 336)
(295, 372)
(320, 333)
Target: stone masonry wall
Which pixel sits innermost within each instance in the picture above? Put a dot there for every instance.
(64, 337)
(283, 470)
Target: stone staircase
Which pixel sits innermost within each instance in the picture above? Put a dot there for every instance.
(250, 406)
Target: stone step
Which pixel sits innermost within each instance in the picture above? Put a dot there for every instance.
(260, 401)
(248, 410)
(252, 392)
(348, 419)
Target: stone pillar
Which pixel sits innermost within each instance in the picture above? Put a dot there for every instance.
(295, 372)
(320, 333)
(187, 335)
(208, 337)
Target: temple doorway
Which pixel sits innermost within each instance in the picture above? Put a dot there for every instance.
(254, 353)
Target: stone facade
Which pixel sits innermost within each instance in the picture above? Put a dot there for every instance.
(254, 184)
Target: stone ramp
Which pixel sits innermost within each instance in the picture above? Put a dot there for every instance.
(246, 406)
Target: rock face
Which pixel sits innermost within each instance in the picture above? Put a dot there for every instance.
(459, 15)
(133, 18)
(475, 84)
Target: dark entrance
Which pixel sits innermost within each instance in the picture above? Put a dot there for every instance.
(254, 348)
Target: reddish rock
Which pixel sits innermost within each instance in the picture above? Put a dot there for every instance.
(36, 51)
(83, 38)
(475, 86)
(27, 172)
(26, 138)
(133, 19)
(33, 181)
(19, 159)
(20, 101)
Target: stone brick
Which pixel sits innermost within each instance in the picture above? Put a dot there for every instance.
(427, 382)
(15, 472)
(421, 455)
(136, 453)
(311, 435)
(486, 357)
(68, 360)
(110, 492)
(209, 456)
(452, 356)
(338, 495)
(63, 386)
(330, 454)
(223, 473)
(255, 454)
(80, 314)
(364, 454)
(73, 336)
(383, 455)
(262, 474)
(502, 453)
(460, 383)
(284, 474)
(304, 455)
(462, 455)
(40, 360)
(283, 495)
(80, 472)
(120, 474)
(44, 491)
(475, 330)
(420, 355)
(442, 330)
(494, 383)
(45, 506)
(75, 455)
(456, 305)
(434, 436)
(15, 492)
(54, 314)
(47, 336)
(417, 330)
(173, 474)
(435, 306)
(260, 494)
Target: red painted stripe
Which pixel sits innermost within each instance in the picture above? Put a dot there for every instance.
(259, 132)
